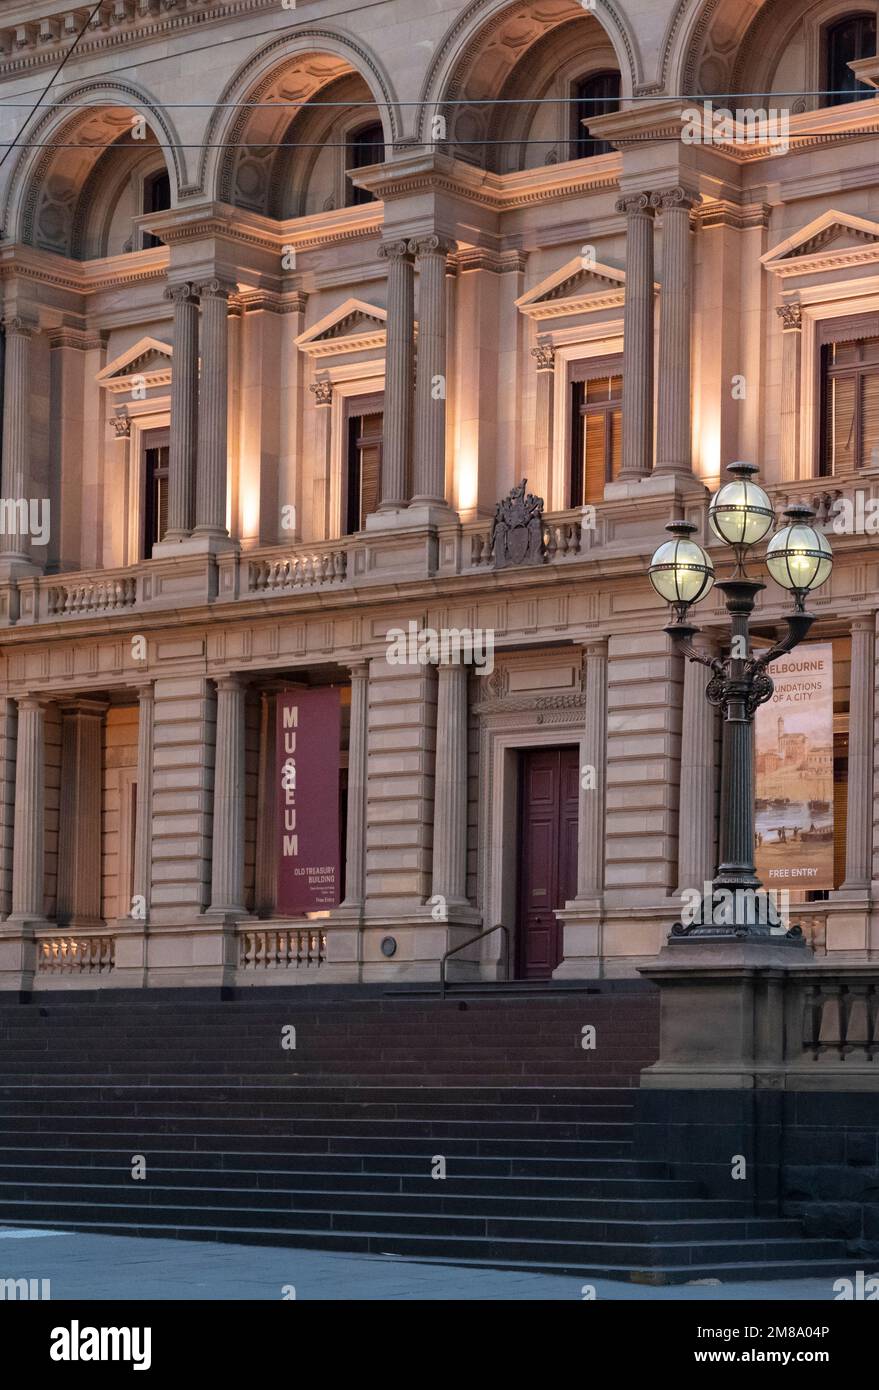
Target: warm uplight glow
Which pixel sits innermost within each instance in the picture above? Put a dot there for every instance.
(467, 478)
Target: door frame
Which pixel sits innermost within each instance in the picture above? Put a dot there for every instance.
(498, 879)
(517, 944)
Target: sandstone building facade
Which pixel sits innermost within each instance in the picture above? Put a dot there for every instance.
(292, 297)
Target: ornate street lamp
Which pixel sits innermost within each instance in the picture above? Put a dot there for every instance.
(799, 559)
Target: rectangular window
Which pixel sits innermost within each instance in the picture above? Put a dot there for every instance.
(596, 437)
(156, 455)
(849, 406)
(363, 492)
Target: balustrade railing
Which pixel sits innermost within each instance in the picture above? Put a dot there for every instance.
(281, 948)
(61, 954)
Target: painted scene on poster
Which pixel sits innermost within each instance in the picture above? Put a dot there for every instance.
(794, 773)
(307, 742)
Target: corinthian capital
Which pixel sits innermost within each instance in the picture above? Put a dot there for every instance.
(181, 294)
(544, 355)
(634, 204)
(395, 250)
(431, 245)
(791, 316)
(215, 289)
(678, 197)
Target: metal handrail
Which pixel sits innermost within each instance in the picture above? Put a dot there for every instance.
(499, 926)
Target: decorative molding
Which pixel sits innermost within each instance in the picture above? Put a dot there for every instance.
(791, 316)
(354, 326)
(812, 248)
(575, 288)
(323, 392)
(148, 360)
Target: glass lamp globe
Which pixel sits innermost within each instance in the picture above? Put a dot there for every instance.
(680, 571)
(740, 513)
(798, 557)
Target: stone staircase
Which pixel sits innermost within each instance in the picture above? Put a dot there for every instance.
(334, 1144)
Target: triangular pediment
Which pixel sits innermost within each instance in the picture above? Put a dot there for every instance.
(148, 358)
(352, 327)
(578, 287)
(833, 239)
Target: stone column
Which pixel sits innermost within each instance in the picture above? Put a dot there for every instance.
(28, 855)
(637, 447)
(859, 802)
(355, 846)
(79, 837)
(399, 365)
(697, 808)
(213, 407)
(143, 830)
(673, 451)
(449, 879)
(16, 426)
(791, 316)
(593, 775)
(227, 867)
(323, 399)
(429, 465)
(184, 411)
(544, 417)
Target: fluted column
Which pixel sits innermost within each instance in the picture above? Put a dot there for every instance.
(355, 846)
(28, 854)
(544, 416)
(791, 316)
(859, 803)
(184, 412)
(213, 405)
(399, 364)
(16, 426)
(79, 839)
(429, 464)
(143, 829)
(637, 447)
(227, 869)
(673, 450)
(697, 813)
(449, 879)
(593, 775)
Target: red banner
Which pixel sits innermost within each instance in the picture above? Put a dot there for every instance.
(308, 738)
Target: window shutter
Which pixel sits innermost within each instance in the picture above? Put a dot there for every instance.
(594, 456)
(869, 420)
(839, 425)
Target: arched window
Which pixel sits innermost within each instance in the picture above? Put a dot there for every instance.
(844, 42)
(365, 146)
(595, 95)
(156, 198)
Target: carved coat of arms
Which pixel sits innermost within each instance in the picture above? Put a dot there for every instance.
(517, 529)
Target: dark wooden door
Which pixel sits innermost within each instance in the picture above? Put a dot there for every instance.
(549, 797)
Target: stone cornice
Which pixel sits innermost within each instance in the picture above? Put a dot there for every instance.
(413, 173)
(228, 223)
(40, 43)
(81, 277)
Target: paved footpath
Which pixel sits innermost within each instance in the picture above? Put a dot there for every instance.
(124, 1267)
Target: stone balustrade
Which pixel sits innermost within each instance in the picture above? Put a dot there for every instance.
(281, 948)
(76, 955)
(842, 506)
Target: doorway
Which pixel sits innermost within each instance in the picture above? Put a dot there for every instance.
(547, 855)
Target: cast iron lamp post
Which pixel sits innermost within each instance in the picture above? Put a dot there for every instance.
(799, 559)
